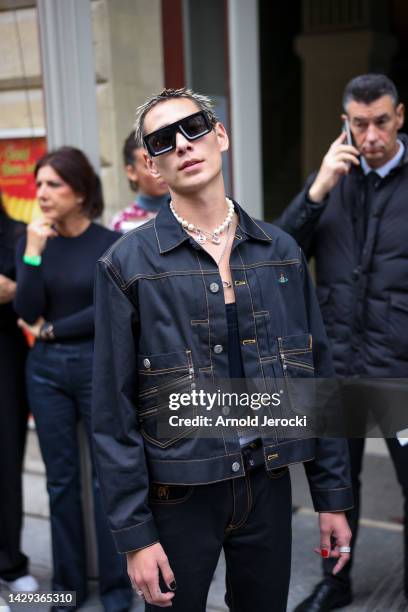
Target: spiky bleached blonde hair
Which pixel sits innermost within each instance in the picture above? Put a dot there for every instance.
(203, 103)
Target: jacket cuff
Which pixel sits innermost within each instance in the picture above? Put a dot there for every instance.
(311, 204)
(332, 500)
(310, 211)
(134, 538)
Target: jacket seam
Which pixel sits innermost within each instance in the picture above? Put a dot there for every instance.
(204, 482)
(258, 264)
(133, 526)
(295, 462)
(126, 236)
(323, 490)
(178, 461)
(126, 284)
(337, 509)
(263, 231)
(125, 552)
(166, 275)
(209, 329)
(254, 320)
(115, 273)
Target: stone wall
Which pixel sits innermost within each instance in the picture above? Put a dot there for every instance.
(21, 104)
(128, 66)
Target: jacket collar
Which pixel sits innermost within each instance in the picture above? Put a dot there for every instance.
(170, 234)
(249, 226)
(404, 139)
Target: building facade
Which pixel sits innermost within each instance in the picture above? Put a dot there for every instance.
(275, 70)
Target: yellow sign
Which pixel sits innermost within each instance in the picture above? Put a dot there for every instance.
(18, 157)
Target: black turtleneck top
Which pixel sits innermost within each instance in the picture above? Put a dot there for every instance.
(61, 289)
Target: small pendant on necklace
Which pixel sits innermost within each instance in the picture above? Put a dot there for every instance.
(226, 284)
(201, 238)
(215, 239)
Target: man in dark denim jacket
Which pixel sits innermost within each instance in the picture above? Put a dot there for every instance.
(173, 298)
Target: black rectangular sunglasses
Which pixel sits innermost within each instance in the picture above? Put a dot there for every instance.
(164, 140)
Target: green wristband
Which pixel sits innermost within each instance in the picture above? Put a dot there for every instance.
(32, 260)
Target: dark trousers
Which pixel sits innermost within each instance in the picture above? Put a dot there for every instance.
(13, 427)
(59, 390)
(248, 517)
(399, 456)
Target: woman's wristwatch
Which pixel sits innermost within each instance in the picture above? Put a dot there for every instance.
(47, 331)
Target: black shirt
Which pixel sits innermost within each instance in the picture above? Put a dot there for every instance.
(236, 368)
(10, 232)
(61, 288)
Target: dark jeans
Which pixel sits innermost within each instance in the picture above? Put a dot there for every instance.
(399, 456)
(250, 518)
(59, 390)
(13, 427)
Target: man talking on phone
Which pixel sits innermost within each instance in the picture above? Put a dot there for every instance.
(178, 302)
(352, 216)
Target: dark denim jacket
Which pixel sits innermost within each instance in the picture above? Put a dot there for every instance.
(160, 320)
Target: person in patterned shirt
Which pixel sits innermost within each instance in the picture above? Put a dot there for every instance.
(151, 191)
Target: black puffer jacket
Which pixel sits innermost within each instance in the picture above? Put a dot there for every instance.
(364, 301)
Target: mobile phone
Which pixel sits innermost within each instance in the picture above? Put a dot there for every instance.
(346, 128)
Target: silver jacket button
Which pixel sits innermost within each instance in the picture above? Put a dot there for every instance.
(235, 466)
(214, 287)
(218, 348)
(146, 363)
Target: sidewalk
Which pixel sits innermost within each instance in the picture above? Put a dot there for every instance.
(378, 562)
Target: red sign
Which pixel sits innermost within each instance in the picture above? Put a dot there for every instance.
(18, 157)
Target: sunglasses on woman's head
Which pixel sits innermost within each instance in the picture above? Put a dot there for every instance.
(164, 140)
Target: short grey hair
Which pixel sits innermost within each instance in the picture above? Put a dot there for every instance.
(367, 88)
(203, 103)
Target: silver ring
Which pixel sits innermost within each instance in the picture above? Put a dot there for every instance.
(139, 592)
(344, 549)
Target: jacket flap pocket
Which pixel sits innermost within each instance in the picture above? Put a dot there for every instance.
(295, 344)
(164, 363)
(160, 371)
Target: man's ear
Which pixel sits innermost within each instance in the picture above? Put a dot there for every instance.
(151, 166)
(400, 112)
(222, 136)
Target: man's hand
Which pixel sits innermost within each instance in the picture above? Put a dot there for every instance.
(7, 289)
(33, 329)
(38, 232)
(334, 525)
(335, 164)
(143, 568)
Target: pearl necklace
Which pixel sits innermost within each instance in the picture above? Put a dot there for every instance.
(201, 234)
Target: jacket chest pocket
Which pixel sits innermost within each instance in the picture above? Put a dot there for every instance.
(162, 379)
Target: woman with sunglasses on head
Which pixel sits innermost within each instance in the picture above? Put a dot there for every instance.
(55, 270)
